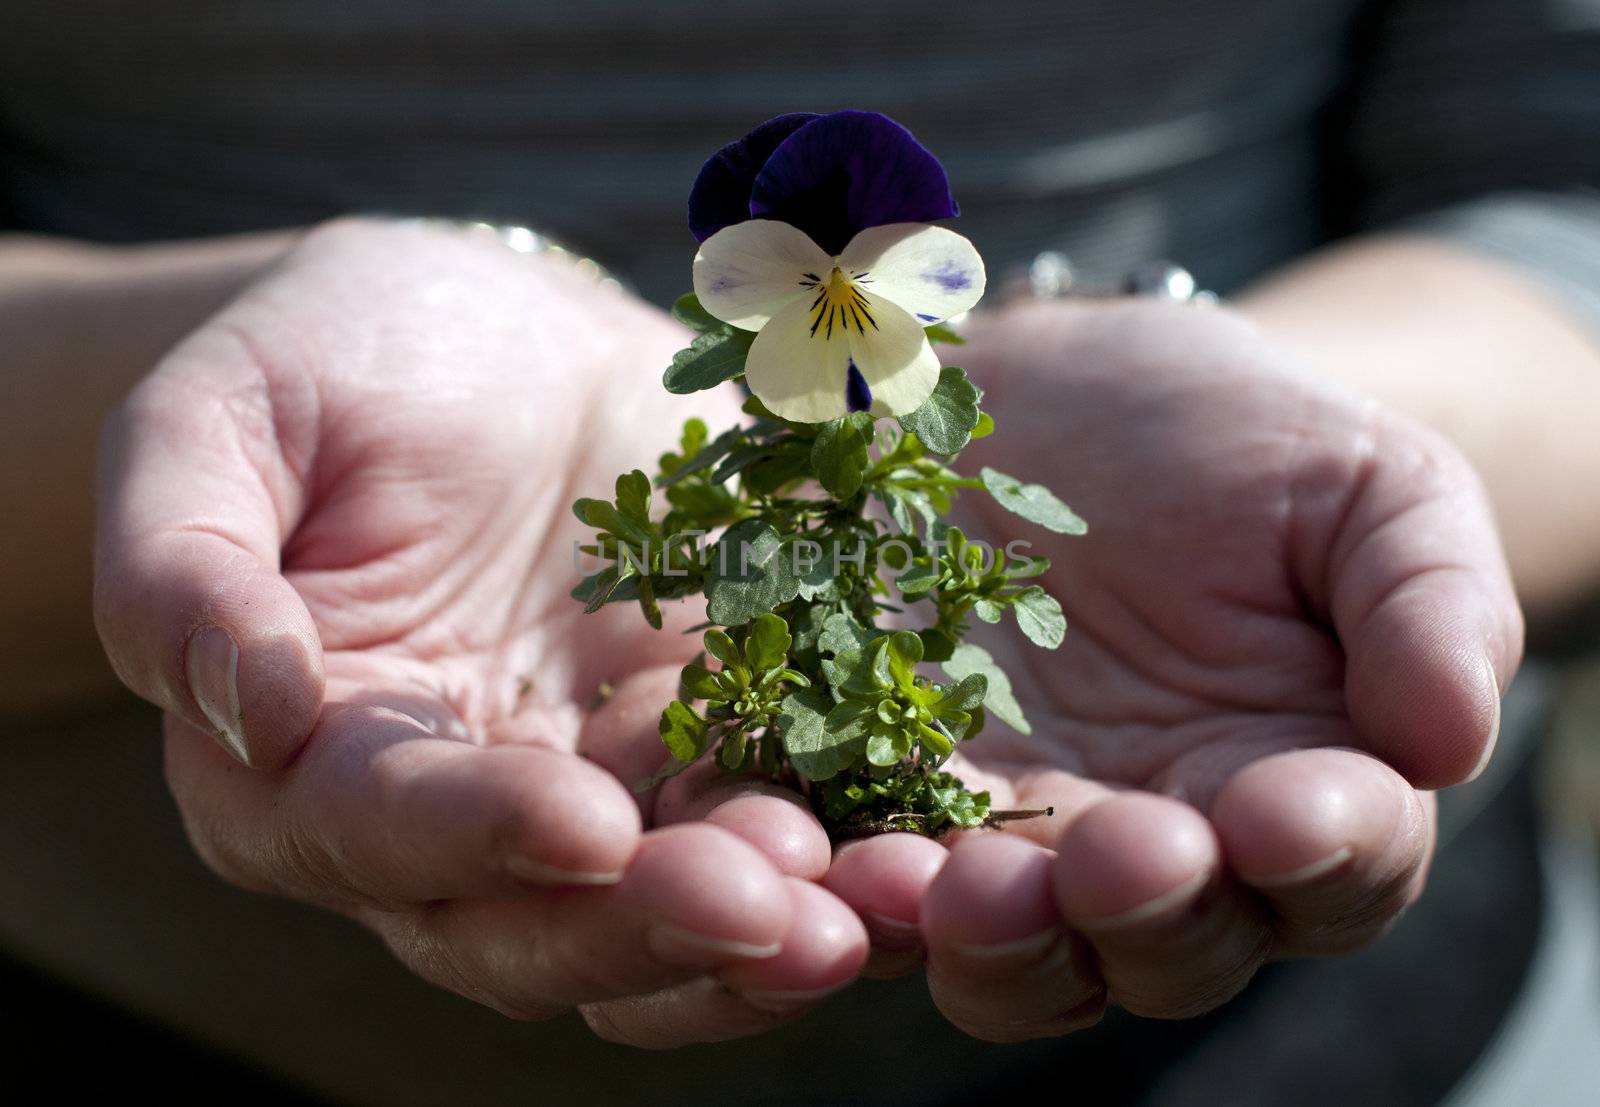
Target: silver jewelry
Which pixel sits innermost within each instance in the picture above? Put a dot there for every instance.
(1050, 275)
(525, 240)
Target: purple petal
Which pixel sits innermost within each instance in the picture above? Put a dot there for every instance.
(857, 395)
(847, 171)
(721, 193)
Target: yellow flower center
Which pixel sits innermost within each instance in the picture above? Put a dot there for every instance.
(840, 303)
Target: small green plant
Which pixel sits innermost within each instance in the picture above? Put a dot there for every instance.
(824, 515)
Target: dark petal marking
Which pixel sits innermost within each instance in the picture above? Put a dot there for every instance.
(843, 172)
(857, 396)
(721, 193)
(928, 318)
(949, 276)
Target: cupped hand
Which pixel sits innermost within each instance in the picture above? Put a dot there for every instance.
(1289, 620)
(335, 544)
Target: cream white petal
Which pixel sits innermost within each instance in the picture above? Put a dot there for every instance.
(931, 272)
(894, 356)
(747, 273)
(799, 374)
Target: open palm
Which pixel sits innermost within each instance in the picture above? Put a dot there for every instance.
(1289, 614)
(335, 534)
(341, 509)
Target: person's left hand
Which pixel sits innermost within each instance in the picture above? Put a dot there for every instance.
(1289, 618)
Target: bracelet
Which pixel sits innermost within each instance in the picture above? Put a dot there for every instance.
(524, 240)
(1050, 276)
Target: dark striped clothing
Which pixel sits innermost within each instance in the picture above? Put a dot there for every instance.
(1230, 135)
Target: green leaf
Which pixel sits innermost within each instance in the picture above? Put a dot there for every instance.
(860, 673)
(985, 425)
(814, 751)
(1034, 502)
(988, 610)
(686, 309)
(998, 698)
(751, 571)
(732, 754)
(739, 459)
(963, 695)
(881, 750)
(918, 578)
(1020, 568)
(720, 646)
(842, 634)
(700, 683)
(945, 420)
(839, 453)
(633, 496)
(694, 437)
(705, 457)
(936, 644)
(817, 582)
(787, 463)
(934, 740)
(1040, 617)
(905, 650)
(938, 332)
(683, 731)
(714, 357)
(901, 502)
(605, 587)
(767, 646)
(842, 670)
(647, 603)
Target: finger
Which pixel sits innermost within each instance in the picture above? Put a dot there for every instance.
(695, 899)
(1422, 601)
(1001, 966)
(622, 732)
(380, 810)
(775, 820)
(824, 948)
(1335, 840)
(194, 497)
(883, 879)
(1140, 876)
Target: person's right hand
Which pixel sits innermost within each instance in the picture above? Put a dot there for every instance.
(335, 534)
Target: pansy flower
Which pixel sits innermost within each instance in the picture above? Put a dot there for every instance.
(814, 233)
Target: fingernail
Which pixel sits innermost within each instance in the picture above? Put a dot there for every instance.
(211, 665)
(678, 946)
(1322, 866)
(787, 1002)
(1494, 725)
(1020, 950)
(537, 872)
(891, 933)
(1149, 909)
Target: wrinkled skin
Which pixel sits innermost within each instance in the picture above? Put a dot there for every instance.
(1282, 624)
(1289, 615)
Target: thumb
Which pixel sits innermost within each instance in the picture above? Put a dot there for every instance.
(1423, 603)
(195, 497)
